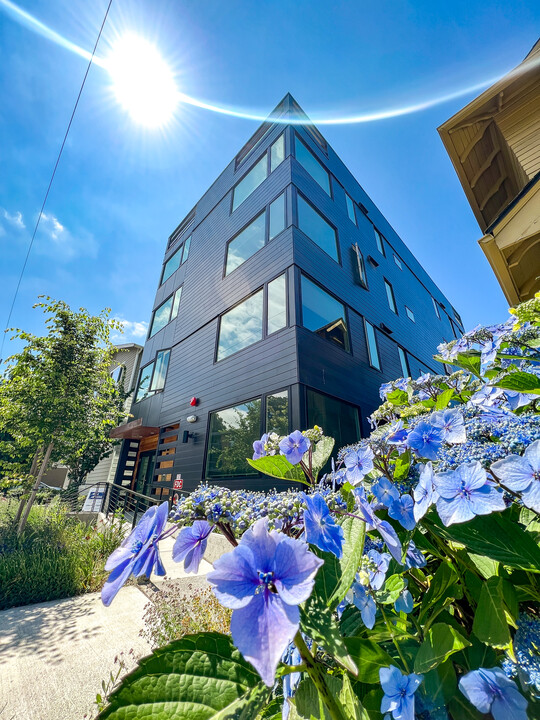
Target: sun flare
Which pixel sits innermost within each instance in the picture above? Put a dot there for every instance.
(143, 82)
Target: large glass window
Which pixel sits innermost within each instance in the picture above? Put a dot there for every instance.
(308, 160)
(277, 305)
(250, 182)
(172, 264)
(317, 228)
(277, 413)
(379, 241)
(241, 326)
(277, 217)
(350, 208)
(230, 441)
(403, 361)
(372, 346)
(277, 153)
(323, 314)
(337, 419)
(152, 376)
(390, 296)
(246, 244)
(166, 312)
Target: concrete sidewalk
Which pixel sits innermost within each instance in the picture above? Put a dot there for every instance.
(54, 655)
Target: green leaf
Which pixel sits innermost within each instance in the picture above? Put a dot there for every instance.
(480, 654)
(354, 532)
(443, 579)
(521, 381)
(443, 399)
(462, 709)
(351, 621)
(309, 704)
(441, 642)
(368, 657)
(485, 566)
(530, 519)
(352, 707)
(279, 467)
(398, 397)
(495, 536)
(391, 590)
(321, 453)
(490, 625)
(402, 466)
(470, 361)
(200, 677)
(440, 684)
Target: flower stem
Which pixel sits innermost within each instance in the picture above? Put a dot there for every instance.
(394, 640)
(317, 675)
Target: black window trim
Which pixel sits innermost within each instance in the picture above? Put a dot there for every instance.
(387, 283)
(407, 364)
(374, 367)
(382, 238)
(409, 310)
(139, 377)
(361, 263)
(330, 176)
(299, 193)
(160, 305)
(348, 350)
(180, 248)
(267, 152)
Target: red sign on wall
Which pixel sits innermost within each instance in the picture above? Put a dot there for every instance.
(178, 482)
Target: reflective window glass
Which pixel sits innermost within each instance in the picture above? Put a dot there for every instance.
(323, 314)
(172, 264)
(436, 308)
(176, 303)
(398, 262)
(187, 245)
(143, 389)
(250, 182)
(403, 362)
(277, 217)
(230, 440)
(246, 244)
(337, 419)
(161, 316)
(379, 241)
(350, 208)
(390, 296)
(241, 326)
(315, 227)
(372, 346)
(361, 265)
(410, 313)
(277, 305)
(160, 370)
(277, 153)
(277, 413)
(306, 158)
(118, 373)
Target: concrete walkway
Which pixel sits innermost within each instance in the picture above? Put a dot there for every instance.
(55, 655)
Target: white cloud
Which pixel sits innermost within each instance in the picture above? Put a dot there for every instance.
(15, 219)
(55, 239)
(133, 330)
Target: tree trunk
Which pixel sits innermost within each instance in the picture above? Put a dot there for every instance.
(32, 473)
(44, 463)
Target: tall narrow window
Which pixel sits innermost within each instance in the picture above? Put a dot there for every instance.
(246, 243)
(277, 217)
(277, 153)
(350, 208)
(277, 305)
(186, 250)
(176, 303)
(277, 413)
(323, 314)
(230, 439)
(250, 182)
(410, 313)
(317, 228)
(152, 376)
(337, 418)
(436, 307)
(403, 361)
(310, 163)
(360, 265)
(398, 262)
(379, 241)
(172, 265)
(241, 326)
(390, 296)
(372, 346)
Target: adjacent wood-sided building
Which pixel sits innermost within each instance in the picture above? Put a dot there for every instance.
(285, 300)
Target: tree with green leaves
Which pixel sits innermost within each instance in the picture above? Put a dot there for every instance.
(57, 397)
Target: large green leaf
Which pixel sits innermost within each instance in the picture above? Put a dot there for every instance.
(321, 453)
(496, 536)
(444, 398)
(279, 467)
(200, 677)
(354, 532)
(369, 658)
(352, 707)
(397, 397)
(490, 625)
(441, 642)
(470, 361)
(521, 381)
(351, 621)
(391, 590)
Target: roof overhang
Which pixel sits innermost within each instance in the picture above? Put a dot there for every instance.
(133, 430)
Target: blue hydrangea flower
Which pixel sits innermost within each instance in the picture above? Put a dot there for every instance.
(259, 450)
(263, 580)
(522, 475)
(290, 681)
(321, 528)
(425, 440)
(358, 463)
(138, 554)
(362, 599)
(402, 511)
(385, 389)
(516, 399)
(386, 531)
(424, 493)
(379, 567)
(451, 424)
(489, 690)
(466, 492)
(414, 558)
(385, 491)
(397, 433)
(527, 653)
(399, 692)
(190, 545)
(294, 446)
(405, 602)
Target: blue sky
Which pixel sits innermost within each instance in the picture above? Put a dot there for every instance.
(121, 189)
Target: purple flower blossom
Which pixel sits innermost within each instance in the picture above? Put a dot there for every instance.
(294, 446)
(397, 433)
(321, 528)
(385, 491)
(190, 545)
(466, 492)
(386, 531)
(425, 440)
(379, 567)
(516, 399)
(259, 450)
(263, 580)
(358, 463)
(405, 602)
(399, 692)
(362, 599)
(489, 690)
(402, 511)
(414, 558)
(451, 425)
(424, 493)
(522, 475)
(138, 554)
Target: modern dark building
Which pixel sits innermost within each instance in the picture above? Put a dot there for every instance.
(285, 300)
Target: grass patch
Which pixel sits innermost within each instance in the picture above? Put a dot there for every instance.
(56, 556)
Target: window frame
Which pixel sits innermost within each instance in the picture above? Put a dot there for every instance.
(330, 191)
(361, 265)
(347, 349)
(377, 367)
(348, 199)
(172, 295)
(410, 314)
(380, 241)
(179, 249)
(309, 388)
(269, 170)
(299, 194)
(436, 307)
(150, 392)
(404, 362)
(390, 295)
(397, 261)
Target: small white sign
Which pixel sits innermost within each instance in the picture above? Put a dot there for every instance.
(94, 500)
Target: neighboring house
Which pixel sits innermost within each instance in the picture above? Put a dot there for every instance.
(285, 300)
(494, 144)
(124, 369)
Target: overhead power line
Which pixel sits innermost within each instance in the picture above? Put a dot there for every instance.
(52, 178)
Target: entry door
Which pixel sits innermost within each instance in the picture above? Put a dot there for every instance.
(145, 472)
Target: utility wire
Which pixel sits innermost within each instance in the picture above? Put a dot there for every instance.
(52, 177)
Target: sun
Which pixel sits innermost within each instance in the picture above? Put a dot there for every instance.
(142, 80)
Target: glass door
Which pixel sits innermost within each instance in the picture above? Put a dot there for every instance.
(145, 472)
